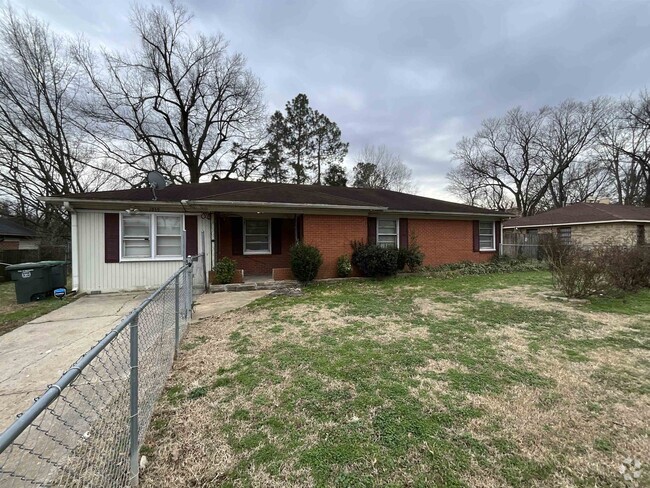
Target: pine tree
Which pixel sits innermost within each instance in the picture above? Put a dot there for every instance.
(336, 175)
(274, 165)
(298, 141)
(328, 147)
(303, 142)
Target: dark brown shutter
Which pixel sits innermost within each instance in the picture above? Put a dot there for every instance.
(111, 238)
(276, 236)
(301, 227)
(476, 239)
(497, 235)
(372, 230)
(404, 233)
(237, 232)
(191, 235)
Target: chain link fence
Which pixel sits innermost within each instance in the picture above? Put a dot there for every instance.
(86, 429)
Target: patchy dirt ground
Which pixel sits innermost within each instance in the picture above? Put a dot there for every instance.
(471, 381)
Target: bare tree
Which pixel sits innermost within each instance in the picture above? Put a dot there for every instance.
(43, 142)
(636, 114)
(180, 104)
(377, 167)
(505, 156)
(570, 131)
(537, 159)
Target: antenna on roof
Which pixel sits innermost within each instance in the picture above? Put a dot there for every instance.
(156, 182)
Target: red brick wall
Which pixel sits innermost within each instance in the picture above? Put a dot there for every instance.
(257, 264)
(332, 234)
(9, 245)
(446, 241)
(442, 241)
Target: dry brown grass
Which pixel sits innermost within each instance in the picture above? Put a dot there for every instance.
(559, 424)
(555, 425)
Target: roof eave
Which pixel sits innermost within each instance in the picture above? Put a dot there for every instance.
(434, 213)
(591, 222)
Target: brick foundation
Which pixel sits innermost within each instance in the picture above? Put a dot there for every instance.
(282, 274)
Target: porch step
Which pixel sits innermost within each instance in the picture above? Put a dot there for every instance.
(261, 285)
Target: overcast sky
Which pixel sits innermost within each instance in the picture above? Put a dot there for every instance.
(415, 76)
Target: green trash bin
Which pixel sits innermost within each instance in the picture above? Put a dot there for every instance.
(32, 280)
(58, 274)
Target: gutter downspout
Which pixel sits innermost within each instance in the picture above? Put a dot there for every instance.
(74, 228)
(501, 238)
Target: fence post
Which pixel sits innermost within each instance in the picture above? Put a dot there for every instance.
(134, 430)
(204, 264)
(190, 285)
(177, 312)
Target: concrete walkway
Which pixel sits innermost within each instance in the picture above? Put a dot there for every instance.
(213, 304)
(36, 354)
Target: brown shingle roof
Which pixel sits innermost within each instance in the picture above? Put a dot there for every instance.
(281, 193)
(582, 213)
(10, 228)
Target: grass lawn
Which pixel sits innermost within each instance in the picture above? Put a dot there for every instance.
(468, 381)
(13, 315)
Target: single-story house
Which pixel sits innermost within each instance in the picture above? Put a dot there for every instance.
(16, 237)
(584, 224)
(130, 239)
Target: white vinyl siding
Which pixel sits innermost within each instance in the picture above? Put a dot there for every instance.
(151, 236)
(96, 275)
(257, 236)
(388, 233)
(486, 236)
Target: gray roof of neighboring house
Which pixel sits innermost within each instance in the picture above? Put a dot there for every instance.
(582, 213)
(10, 228)
(242, 192)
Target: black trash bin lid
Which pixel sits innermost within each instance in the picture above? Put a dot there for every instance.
(38, 264)
(18, 267)
(52, 263)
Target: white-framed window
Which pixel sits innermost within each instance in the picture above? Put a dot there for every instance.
(257, 236)
(388, 233)
(486, 236)
(151, 236)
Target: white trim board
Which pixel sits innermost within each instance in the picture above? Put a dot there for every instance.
(563, 224)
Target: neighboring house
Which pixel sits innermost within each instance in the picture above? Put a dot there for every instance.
(582, 223)
(127, 240)
(15, 237)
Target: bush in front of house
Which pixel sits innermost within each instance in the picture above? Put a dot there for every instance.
(626, 268)
(500, 265)
(583, 271)
(305, 260)
(375, 261)
(224, 270)
(343, 266)
(414, 257)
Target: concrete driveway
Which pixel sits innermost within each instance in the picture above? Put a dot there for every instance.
(36, 354)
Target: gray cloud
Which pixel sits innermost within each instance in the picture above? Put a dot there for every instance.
(415, 76)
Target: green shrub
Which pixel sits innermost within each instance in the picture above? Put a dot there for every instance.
(375, 261)
(414, 255)
(305, 261)
(402, 254)
(343, 266)
(225, 270)
(502, 265)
